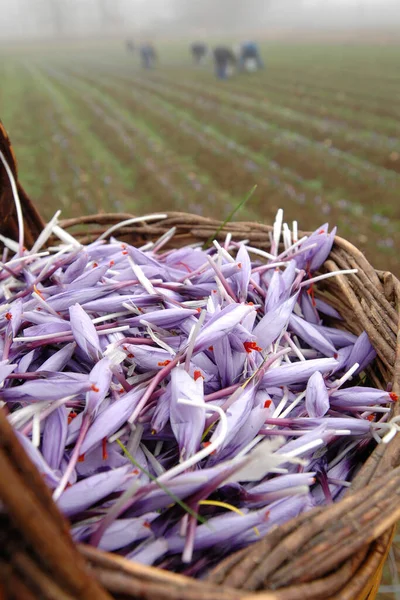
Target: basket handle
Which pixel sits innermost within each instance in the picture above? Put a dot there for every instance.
(8, 216)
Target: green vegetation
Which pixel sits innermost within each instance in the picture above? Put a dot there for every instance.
(318, 132)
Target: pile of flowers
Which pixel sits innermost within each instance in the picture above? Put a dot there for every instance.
(186, 400)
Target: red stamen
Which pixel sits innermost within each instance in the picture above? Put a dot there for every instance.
(250, 346)
(267, 403)
(197, 374)
(164, 364)
(72, 416)
(104, 446)
(394, 397)
(94, 388)
(8, 316)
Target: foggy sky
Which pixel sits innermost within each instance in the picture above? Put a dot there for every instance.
(53, 18)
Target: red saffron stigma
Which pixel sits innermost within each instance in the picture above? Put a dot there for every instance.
(211, 348)
(321, 231)
(197, 374)
(135, 472)
(250, 346)
(164, 364)
(198, 310)
(81, 458)
(130, 355)
(94, 388)
(95, 265)
(71, 416)
(267, 403)
(104, 447)
(336, 355)
(125, 252)
(146, 524)
(111, 263)
(8, 316)
(370, 417)
(394, 397)
(239, 265)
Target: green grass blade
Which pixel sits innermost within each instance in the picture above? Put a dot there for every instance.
(229, 218)
(175, 498)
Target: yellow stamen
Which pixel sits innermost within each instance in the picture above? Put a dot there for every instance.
(228, 507)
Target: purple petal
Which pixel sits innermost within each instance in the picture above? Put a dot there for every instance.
(187, 422)
(310, 334)
(273, 323)
(5, 370)
(221, 324)
(59, 360)
(55, 436)
(84, 332)
(100, 381)
(89, 491)
(317, 397)
(287, 374)
(111, 419)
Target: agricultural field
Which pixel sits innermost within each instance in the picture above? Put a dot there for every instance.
(318, 132)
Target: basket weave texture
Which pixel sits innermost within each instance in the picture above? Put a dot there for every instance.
(331, 552)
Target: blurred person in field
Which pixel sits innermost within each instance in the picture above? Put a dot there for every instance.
(225, 62)
(250, 57)
(148, 56)
(199, 52)
(130, 46)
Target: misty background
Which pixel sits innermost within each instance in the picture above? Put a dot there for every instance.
(33, 19)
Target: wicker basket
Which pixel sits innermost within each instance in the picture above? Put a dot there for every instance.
(331, 552)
